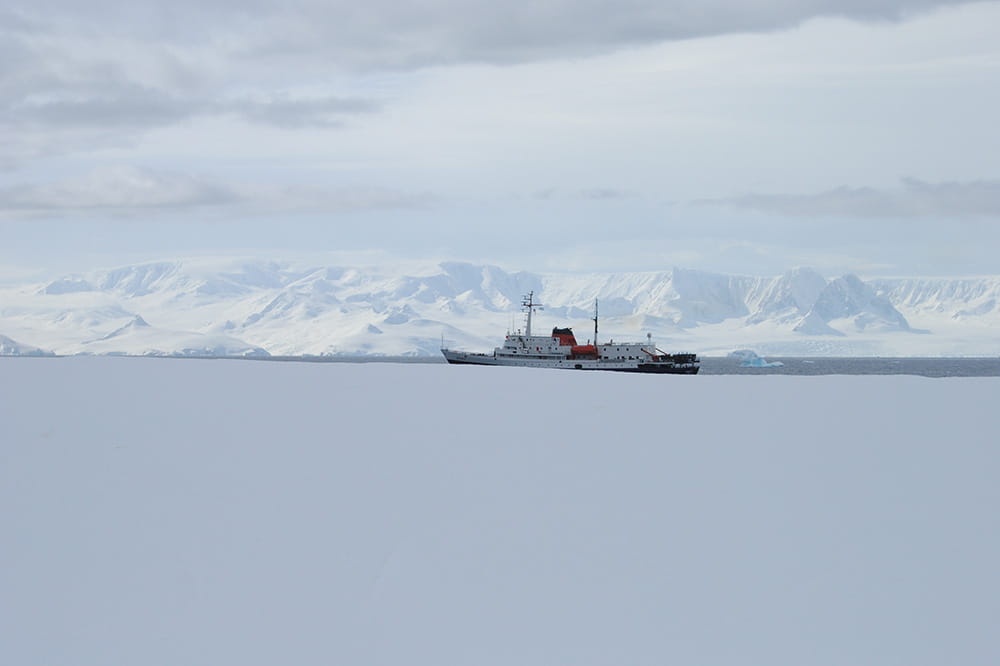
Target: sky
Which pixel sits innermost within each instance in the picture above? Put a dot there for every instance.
(734, 136)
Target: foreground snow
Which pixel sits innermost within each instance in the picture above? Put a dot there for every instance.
(167, 511)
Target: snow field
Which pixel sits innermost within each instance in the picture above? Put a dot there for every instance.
(170, 511)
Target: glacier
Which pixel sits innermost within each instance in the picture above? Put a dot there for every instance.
(256, 307)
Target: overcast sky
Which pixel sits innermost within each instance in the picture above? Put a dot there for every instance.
(743, 136)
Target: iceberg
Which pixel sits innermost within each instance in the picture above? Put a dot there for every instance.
(750, 359)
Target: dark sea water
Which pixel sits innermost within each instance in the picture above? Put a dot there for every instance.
(926, 367)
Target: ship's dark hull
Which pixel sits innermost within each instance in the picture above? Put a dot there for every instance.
(659, 369)
(646, 368)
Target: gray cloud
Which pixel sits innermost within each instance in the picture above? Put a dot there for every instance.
(132, 66)
(66, 72)
(604, 193)
(915, 199)
(332, 200)
(587, 194)
(130, 107)
(128, 189)
(119, 188)
(282, 111)
(397, 33)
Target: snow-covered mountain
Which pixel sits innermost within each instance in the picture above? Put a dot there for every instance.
(962, 299)
(255, 308)
(10, 347)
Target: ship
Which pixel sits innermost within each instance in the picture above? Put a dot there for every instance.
(561, 350)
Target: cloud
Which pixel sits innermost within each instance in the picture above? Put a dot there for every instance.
(283, 111)
(129, 189)
(604, 193)
(406, 33)
(69, 82)
(335, 201)
(130, 107)
(915, 199)
(118, 188)
(585, 194)
(71, 71)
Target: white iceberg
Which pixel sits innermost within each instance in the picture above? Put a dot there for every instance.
(750, 359)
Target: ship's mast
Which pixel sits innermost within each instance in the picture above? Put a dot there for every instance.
(528, 303)
(595, 322)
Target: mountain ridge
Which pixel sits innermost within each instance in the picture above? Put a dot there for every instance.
(260, 307)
